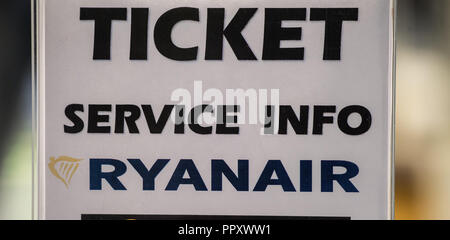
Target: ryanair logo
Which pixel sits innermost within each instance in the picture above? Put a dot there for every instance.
(64, 168)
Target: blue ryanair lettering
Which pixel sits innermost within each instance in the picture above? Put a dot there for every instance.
(96, 173)
(274, 166)
(219, 169)
(186, 165)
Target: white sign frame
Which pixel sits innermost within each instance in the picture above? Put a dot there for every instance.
(40, 161)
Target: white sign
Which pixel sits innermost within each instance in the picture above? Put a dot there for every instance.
(214, 108)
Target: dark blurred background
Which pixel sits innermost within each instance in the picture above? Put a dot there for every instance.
(422, 124)
(15, 109)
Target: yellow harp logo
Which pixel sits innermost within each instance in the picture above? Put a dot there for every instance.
(63, 168)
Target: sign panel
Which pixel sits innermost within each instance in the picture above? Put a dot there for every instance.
(182, 109)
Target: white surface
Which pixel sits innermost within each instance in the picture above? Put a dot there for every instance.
(362, 77)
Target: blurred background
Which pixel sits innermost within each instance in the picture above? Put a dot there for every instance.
(422, 124)
(423, 110)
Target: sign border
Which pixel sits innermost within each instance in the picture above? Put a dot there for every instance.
(38, 109)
